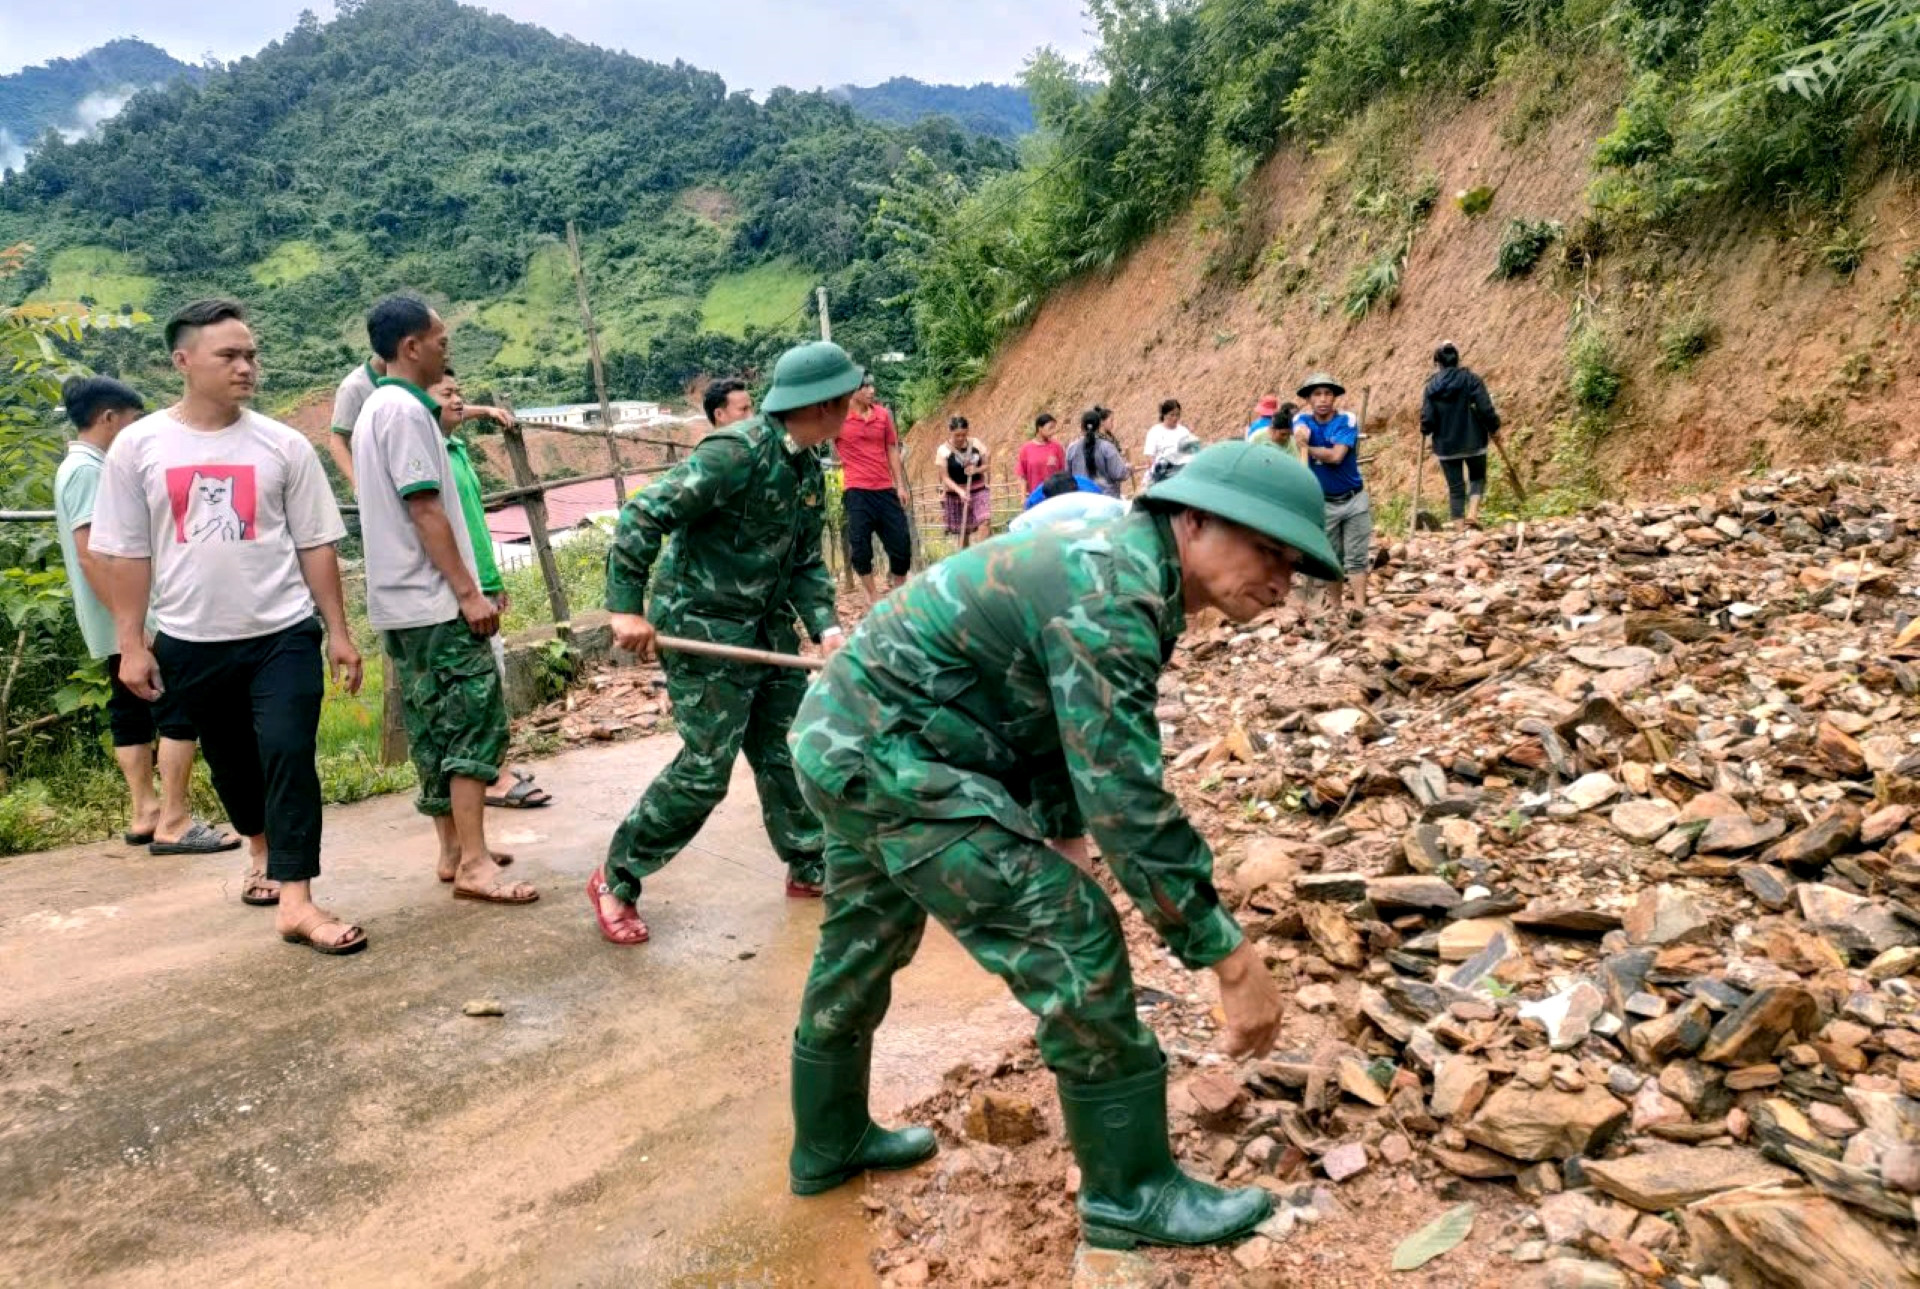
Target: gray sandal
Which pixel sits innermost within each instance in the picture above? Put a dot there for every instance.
(201, 839)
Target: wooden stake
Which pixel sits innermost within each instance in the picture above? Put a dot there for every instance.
(536, 509)
(393, 725)
(1419, 470)
(593, 354)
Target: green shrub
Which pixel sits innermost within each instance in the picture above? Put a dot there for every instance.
(1474, 202)
(1375, 282)
(1593, 377)
(1684, 340)
(1845, 250)
(1524, 242)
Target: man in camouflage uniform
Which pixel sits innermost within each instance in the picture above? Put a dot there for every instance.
(745, 512)
(1004, 702)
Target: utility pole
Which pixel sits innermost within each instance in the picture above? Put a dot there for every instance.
(599, 368)
(826, 323)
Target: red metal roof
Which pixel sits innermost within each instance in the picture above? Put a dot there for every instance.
(568, 506)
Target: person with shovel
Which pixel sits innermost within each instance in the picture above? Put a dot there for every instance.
(978, 725)
(745, 512)
(1458, 417)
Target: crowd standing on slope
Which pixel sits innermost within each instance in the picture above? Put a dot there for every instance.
(959, 757)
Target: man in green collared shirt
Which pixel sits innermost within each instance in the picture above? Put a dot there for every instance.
(978, 723)
(424, 597)
(745, 512)
(524, 794)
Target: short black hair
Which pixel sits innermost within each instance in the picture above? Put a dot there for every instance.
(88, 398)
(201, 313)
(1169, 405)
(393, 319)
(1447, 355)
(956, 423)
(1043, 420)
(1055, 485)
(718, 392)
(1287, 412)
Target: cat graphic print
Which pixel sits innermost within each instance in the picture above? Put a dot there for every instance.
(212, 503)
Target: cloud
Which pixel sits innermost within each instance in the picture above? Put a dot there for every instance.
(94, 111)
(12, 155)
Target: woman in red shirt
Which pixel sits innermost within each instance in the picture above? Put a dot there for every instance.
(1041, 458)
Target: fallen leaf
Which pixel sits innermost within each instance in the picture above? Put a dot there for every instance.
(1435, 1238)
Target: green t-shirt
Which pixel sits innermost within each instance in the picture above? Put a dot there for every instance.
(467, 483)
(73, 492)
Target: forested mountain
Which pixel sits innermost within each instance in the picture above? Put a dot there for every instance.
(75, 94)
(424, 144)
(1003, 111)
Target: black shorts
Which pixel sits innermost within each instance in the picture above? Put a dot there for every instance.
(877, 510)
(133, 721)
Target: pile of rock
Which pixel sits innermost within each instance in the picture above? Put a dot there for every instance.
(1598, 846)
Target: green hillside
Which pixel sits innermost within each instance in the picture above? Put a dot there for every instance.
(36, 99)
(426, 145)
(1003, 111)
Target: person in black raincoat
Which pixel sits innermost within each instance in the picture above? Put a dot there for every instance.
(1458, 415)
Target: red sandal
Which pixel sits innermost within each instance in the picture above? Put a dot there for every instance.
(620, 930)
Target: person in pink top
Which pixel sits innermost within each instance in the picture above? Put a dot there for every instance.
(874, 490)
(1040, 457)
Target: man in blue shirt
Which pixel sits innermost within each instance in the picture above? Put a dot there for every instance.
(1330, 440)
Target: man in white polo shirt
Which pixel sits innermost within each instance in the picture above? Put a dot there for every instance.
(355, 389)
(425, 599)
(222, 519)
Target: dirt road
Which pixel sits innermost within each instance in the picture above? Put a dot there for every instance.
(185, 1099)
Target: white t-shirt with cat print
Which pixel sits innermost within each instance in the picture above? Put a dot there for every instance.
(222, 514)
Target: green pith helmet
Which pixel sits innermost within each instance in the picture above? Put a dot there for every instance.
(1320, 380)
(1259, 486)
(813, 373)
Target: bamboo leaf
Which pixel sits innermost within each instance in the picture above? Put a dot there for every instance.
(1437, 1237)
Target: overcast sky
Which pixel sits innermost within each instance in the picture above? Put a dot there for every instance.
(754, 44)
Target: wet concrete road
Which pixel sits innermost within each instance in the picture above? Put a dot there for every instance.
(186, 1100)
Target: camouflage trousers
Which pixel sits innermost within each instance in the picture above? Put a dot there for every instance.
(720, 709)
(1024, 912)
(455, 709)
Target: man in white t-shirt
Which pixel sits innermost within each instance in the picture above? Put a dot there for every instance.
(425, 599)
(222, 519)
(1165, 435)
(355, 389)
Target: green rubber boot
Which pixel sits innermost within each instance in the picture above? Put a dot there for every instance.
(1131, 1191)
(834, 1139)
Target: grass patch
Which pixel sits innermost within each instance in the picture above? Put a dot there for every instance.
(1522, 245)
(583, 571)
(1593, 376)
(1685, 340)
(755, 299)
(98, 275)
(539, 323)
(288, 262)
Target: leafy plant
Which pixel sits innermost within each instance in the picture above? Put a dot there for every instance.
(1871, 60)
(1375, 282)
(1474, 202)
(1845, 250)
(1684, 340)
(1522, 245)
(1594, 377)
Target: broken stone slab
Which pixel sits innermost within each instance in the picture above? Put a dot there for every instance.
(1657, 1180)
(1617, 658)
(1564, 918)
(1375, 1007)
(1474, 1163)
(1853, 924)
(1347, 722)
(1590, 791)
(1463, 941)
(1822, 841)
(1333, 935)
(1571, 1216)
(1750, 1033)
(1622, 975)
(1106, 1269)
(1330, 888)
(1840, 750)
(1498, 905)
(1426, 782)
(1737, 835)
(1460, 1084)
(1852, 1186)
(1884, 824)
(1667, 915)
(1567, 1016)
(1770, 886)
(1470, 973)
(1644, 821)
(1545, 1123)
(1345, 1161)
(1416, 894)
(1682, 1033)
(1791, 1236)
(1357, 1082)
(1903, 960)
(1424, 848)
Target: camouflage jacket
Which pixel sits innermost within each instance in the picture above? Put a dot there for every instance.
(747, 510)
(1017, 681)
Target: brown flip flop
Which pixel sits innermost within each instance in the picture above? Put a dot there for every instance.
(303, 934)
(499, 857)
